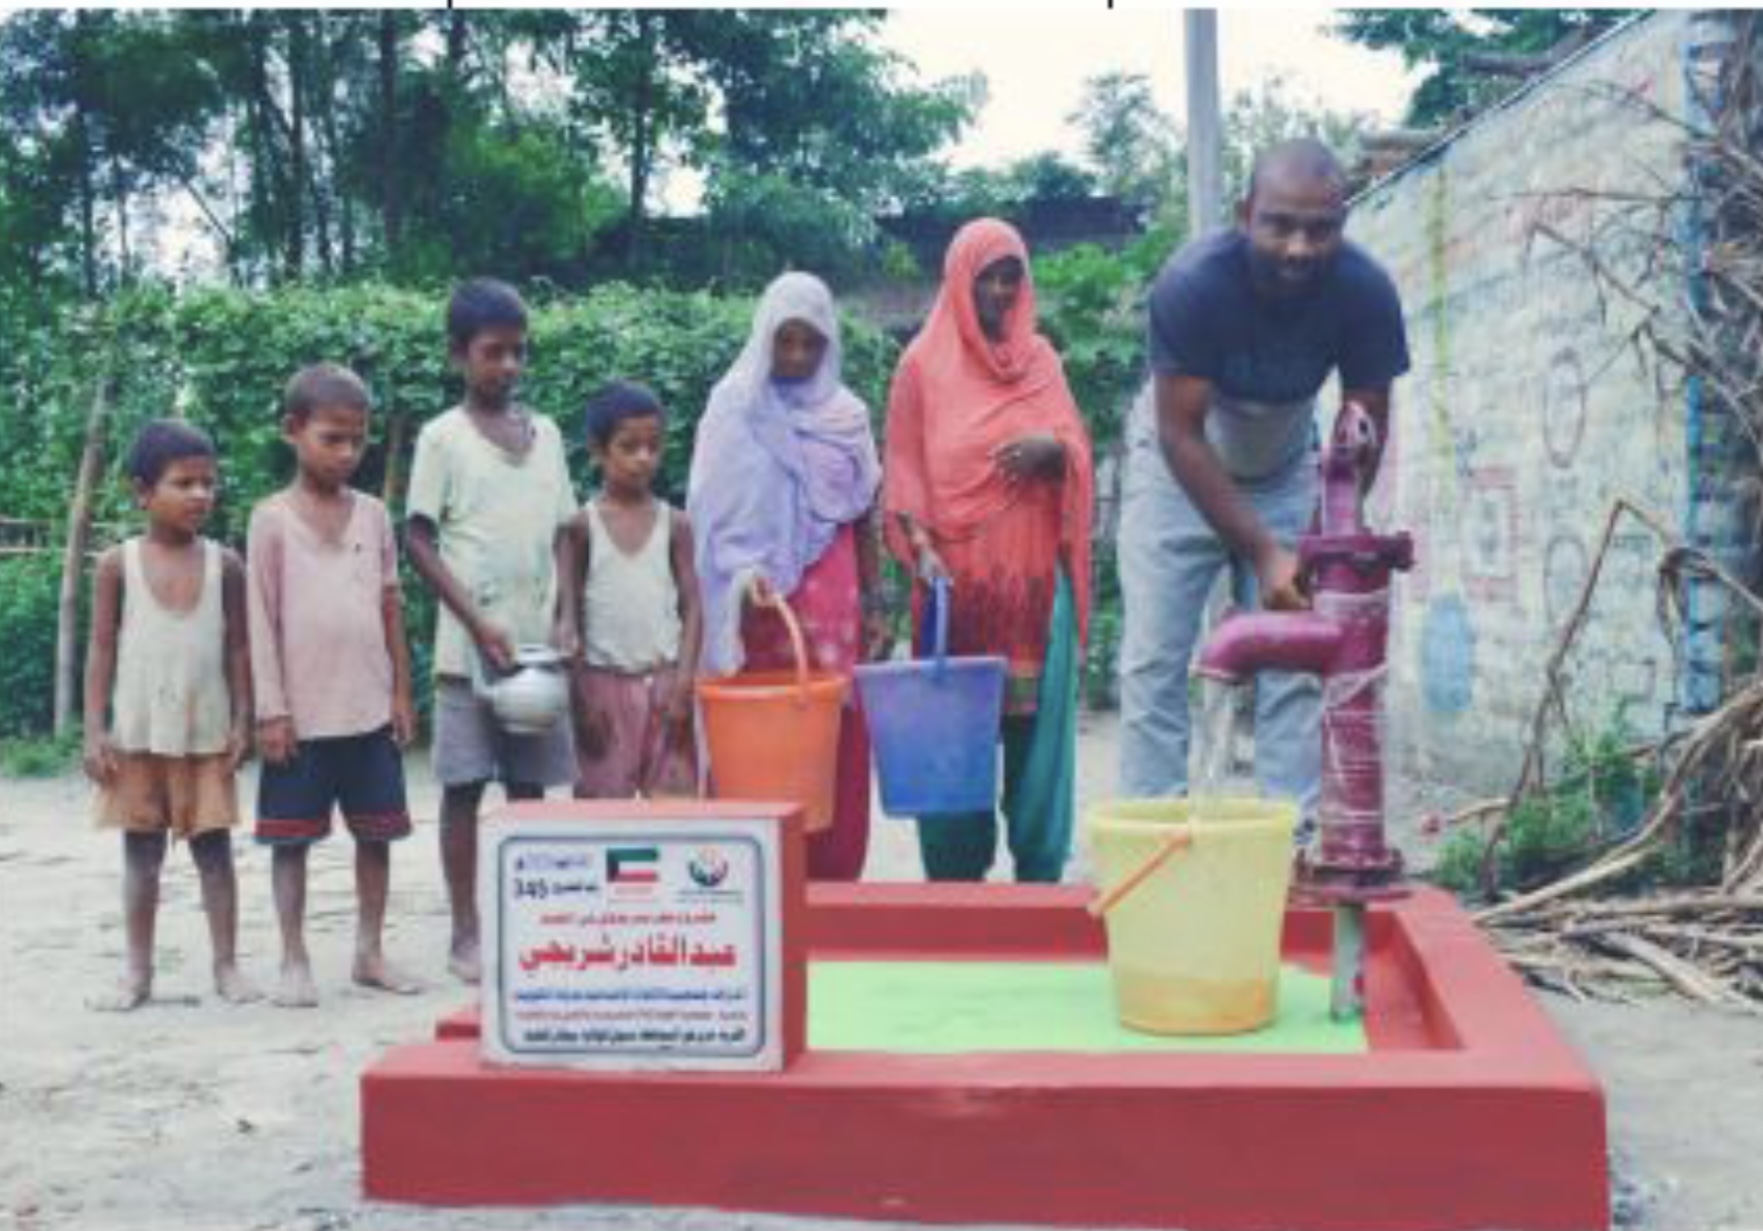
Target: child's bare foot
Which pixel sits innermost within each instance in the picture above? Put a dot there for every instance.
(232, 986)
(464, 961)
(372, 970)
(131, 992)
(296, 989)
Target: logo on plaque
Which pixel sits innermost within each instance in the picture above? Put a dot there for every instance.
(708, 868)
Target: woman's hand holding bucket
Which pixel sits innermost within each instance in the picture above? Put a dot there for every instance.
(878, 629)
(931, 568)
(761, 593)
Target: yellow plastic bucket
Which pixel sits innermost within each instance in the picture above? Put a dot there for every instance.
(1194, 945)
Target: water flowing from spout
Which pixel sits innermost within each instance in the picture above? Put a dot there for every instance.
(1214, 741)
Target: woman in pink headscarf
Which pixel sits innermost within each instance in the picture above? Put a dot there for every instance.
(988, 481)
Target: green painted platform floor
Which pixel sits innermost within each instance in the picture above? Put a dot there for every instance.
(951, 1007)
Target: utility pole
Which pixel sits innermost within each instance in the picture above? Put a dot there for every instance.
(1205, 141)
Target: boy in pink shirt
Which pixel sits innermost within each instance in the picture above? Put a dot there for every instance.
(332, 672)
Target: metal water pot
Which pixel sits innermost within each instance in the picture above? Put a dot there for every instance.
(530, 699)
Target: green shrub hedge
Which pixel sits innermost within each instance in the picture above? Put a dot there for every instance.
(29, 591)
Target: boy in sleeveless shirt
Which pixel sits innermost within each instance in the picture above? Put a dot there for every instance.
(632, 589)
(168, 700)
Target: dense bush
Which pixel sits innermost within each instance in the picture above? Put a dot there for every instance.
(1092, 307)
(40, 756)
(221, 357)
(1599, 796)
(29, 587)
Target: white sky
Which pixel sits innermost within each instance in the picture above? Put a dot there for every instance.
(1035, 62)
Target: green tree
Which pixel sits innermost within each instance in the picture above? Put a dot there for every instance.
(760, 221)
(811, 97)
(1132, 144)
(1005, 192)
(39, 250)
(281, 77)
(99, 107)
(1046, 176)
(311, 143)
(1453, 45)
(423, 145)
(517, 201)
(1272, 112)
(1138, 153)
(801, 127)
(634, 86)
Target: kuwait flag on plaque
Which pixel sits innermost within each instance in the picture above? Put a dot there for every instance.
(633, 865)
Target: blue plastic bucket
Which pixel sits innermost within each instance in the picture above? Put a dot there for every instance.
(933, 724)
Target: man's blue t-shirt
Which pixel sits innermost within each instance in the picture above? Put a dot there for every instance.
(1268, 358)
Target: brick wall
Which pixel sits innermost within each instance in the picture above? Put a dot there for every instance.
(1529, 409)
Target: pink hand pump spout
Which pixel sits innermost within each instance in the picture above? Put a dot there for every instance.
(1270, 641)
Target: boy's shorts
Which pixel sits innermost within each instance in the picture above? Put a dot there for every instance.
(470, 746)
(153, 794)
(640, 752)
(361, 774)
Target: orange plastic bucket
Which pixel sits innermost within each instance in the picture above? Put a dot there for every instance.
(774, 735)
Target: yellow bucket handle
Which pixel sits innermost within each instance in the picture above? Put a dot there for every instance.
(1180, 838)
(796, 642)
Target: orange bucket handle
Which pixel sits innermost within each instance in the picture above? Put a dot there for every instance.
(1179, 839)
(796, 642)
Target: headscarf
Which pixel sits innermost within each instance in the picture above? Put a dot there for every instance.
(959, 395)
(777, 468)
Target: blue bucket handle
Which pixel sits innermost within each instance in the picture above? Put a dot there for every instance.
(940, 603)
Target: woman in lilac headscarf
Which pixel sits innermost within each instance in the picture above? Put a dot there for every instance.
(781, 496)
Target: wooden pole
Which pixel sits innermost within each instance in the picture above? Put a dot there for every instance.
(392, 480)
(73, 558)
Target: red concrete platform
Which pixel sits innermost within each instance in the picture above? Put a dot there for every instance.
(1469, 1111)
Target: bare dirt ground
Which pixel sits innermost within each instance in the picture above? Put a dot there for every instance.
(193, 1114)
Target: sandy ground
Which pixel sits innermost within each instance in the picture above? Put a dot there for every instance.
(194, 1114)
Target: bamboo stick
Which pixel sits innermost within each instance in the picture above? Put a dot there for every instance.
(73, 557)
